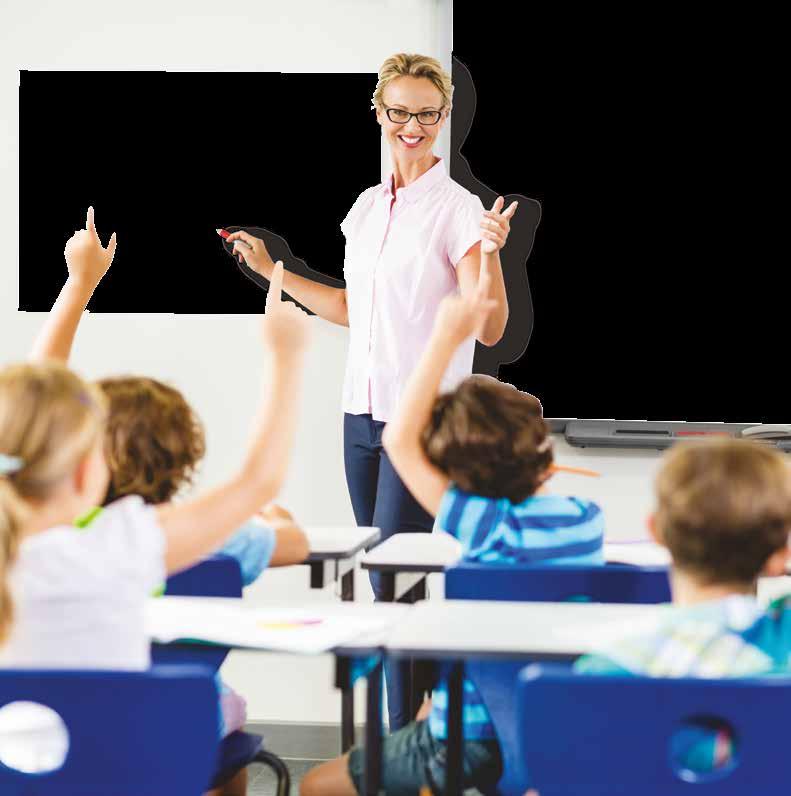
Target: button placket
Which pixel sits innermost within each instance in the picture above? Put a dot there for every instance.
(380, 239)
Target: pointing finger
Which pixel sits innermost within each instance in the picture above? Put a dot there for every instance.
(90, 225)
(509, 213)
(498, 204)
(111, 246)
(275, 286)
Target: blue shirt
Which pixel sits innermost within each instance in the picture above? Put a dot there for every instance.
(543, 529)
(252, 546)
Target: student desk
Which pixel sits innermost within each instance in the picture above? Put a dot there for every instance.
(457, 630)
(365, 649)
(407, 558)
(332, 551)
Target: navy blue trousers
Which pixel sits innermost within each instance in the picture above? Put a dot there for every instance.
(380, 499)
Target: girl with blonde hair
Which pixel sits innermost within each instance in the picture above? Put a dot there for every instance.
(76, 600)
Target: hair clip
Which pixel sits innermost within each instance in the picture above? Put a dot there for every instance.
(10, 464)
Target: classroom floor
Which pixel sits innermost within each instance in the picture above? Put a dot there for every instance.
(262, 781)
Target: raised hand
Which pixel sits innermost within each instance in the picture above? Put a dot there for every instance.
(285, 326)
(86, 258)
(495, 226)
(460, 316)
(256, 256)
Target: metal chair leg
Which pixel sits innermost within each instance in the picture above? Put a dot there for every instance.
(280, 769)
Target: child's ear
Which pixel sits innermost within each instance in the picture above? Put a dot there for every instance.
(653, 529)
(777, 563)
(80, 476)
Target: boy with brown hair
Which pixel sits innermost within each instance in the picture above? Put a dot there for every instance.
(723, 511)
(476, 458)
(154, 445)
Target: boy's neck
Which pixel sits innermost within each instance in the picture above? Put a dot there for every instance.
(687, 590)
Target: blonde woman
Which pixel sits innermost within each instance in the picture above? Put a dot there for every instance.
(410, 241)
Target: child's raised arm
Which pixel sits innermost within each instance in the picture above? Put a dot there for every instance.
(87, 261)
(458, 318)
(197, 527)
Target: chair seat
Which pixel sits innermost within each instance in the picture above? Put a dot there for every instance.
(236, 752)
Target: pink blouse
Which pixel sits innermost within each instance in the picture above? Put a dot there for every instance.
(400, 262)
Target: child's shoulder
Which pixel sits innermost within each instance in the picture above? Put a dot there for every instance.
(558, 509)
(771, 632)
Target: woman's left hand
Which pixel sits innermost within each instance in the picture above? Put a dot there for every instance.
(496, 225)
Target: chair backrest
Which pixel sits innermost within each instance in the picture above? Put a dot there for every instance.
(496, 681)
(584, 735)
(216, 576)
(608, 583)
(130, 733)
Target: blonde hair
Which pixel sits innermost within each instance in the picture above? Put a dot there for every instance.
(723, 508)
(49, 420)
(412, 65)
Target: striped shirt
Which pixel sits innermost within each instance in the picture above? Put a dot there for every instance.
(543, 529)
(731, 637)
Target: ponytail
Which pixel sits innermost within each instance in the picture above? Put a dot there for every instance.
(12, 510)
(49, 419)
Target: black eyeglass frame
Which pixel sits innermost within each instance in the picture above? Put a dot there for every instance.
(416, 115)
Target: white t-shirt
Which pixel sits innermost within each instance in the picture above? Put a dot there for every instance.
(79, 596)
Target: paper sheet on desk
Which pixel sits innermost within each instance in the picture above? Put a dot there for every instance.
(300, 631)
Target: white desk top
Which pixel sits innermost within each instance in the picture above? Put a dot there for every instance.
(278, 628)
(340, 541)
(484, 629)
(640, 553)
(414, 552)
(435, 552)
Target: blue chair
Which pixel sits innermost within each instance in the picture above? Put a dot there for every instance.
(496, 681)
(130, 733)
(608, 583)
(611, 736)
(218, 576)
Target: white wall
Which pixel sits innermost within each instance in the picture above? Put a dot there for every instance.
(190, 351)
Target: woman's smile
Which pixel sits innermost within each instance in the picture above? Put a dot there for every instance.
(411, 141)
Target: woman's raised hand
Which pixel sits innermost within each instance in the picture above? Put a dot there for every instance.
(256, 256)
(285, 326)
(86, 258)
(496, 225)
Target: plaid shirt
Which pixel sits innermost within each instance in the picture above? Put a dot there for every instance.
(732, 637)
(545, 529)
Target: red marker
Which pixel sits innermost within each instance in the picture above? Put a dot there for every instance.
(224, 234)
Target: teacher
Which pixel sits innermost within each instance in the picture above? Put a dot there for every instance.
(410, 241)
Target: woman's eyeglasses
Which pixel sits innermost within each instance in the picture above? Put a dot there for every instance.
(399, 116)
